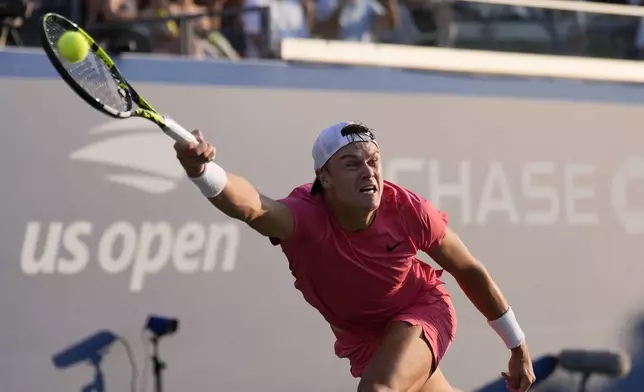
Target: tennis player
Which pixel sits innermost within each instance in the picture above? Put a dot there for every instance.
(351, 240)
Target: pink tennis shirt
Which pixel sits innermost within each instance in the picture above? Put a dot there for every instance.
(361, 281)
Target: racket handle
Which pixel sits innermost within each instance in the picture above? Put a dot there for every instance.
(178, 133)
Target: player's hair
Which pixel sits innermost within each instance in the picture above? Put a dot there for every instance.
(351, 131)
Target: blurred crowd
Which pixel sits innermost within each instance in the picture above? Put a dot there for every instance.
(248, 28)
(254, 28)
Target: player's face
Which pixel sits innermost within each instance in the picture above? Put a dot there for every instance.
(354, 175)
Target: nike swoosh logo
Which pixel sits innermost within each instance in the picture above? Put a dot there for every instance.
(390, 248)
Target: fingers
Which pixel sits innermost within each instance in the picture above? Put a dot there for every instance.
(526, 381)
(193, 156)
(518, 384)
(508, 381)
(525, 384)
(198, 135)
(183, 146)
(512, 382)
(201, 149)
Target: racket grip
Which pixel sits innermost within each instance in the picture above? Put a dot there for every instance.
(178, 133)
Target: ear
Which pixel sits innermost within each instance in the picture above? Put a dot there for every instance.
(324, 179)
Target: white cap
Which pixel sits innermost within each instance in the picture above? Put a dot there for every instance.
(330, 140)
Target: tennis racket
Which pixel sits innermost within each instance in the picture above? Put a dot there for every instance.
(99, 83)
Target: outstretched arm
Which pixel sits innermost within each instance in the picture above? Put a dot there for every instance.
(477, 284)
(471, 275)
(232, 194)
(241, 201)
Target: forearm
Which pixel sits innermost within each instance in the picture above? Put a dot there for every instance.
(478, 286)
(239, 199)
(231, 194)
(485, 295)
(236, 197)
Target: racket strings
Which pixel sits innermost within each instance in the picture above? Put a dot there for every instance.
(92, 74)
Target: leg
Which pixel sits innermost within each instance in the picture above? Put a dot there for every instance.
(402, 362)
(437, 383)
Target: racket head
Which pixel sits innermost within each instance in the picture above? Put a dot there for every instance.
(95, 79)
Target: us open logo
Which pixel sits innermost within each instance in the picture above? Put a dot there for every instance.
(139, 146)
(135, 247)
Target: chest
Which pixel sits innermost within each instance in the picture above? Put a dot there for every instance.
(387, 249)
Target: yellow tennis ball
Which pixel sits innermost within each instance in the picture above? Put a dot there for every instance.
(73, 46)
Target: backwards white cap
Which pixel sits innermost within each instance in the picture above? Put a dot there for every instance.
(330, 140)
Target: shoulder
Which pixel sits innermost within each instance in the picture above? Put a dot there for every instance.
(303, 190)
(402, 198)
(301, 195)
(424, 222)
(307, 210)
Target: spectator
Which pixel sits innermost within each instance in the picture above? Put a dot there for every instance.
(200, 26)
(288, 18)
(407, 32)
(12, 17)
(218, 6)
(355, 20)
(101, 11)
(439, 14)
(103, 20)
(165, 37)
(637, 50)
(231, 25)
(189, 7)
(206, 39)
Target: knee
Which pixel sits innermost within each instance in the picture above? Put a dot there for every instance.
(373, 386)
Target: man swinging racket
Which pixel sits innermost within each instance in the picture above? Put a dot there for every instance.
(351, 240)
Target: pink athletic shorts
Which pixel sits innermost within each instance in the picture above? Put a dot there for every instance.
(433, 311)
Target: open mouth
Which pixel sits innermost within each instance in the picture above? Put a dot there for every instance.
(369, 189)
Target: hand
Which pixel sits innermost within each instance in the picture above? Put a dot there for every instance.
(193, 157)
(520, 375)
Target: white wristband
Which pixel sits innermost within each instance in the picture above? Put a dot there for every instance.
(212, 181)
(508, 329)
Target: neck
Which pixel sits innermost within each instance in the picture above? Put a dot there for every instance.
(350, 219)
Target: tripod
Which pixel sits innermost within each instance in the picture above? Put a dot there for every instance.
(157, 365)
(159, 326)
(583, 382)
(98, 384)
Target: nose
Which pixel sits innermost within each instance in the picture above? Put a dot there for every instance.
(368, 172)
